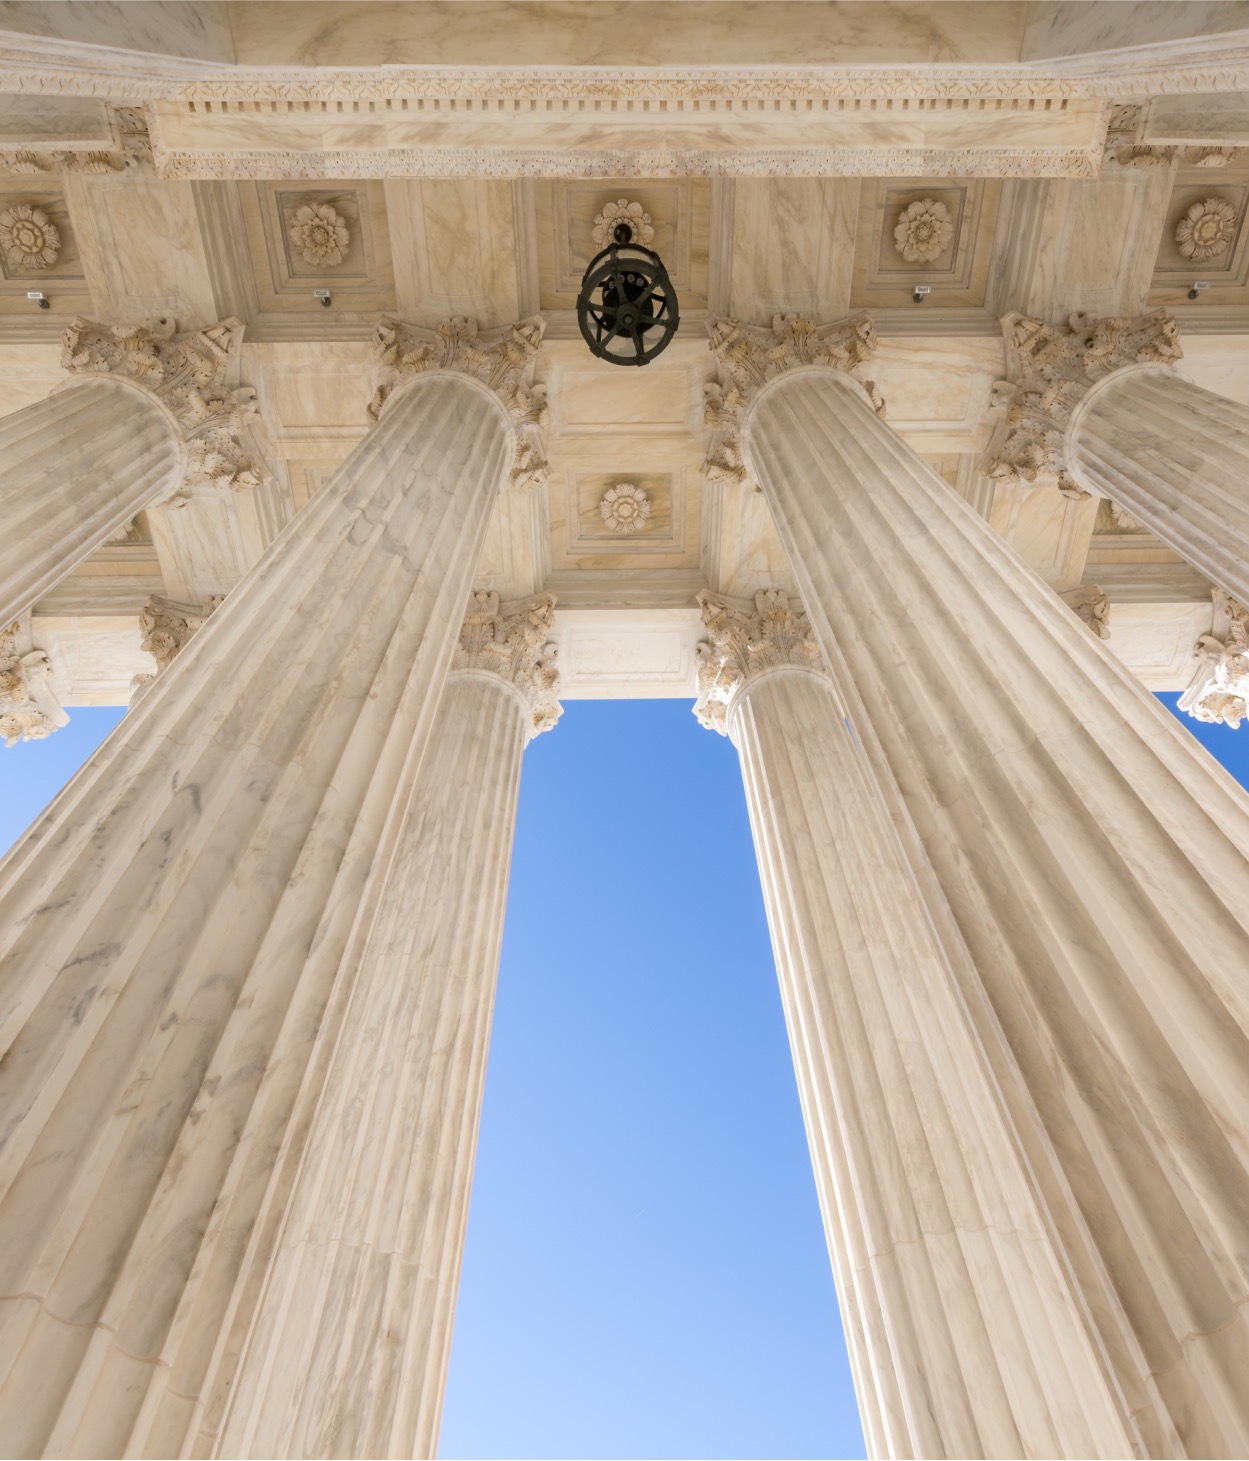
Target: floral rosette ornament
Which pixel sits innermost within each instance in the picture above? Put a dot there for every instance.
(924, 231)
(29, 237)
(632, 215)
(319, 234)
(625, 508)
(1205, 231)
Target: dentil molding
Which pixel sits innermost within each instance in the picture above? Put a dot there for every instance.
(195, 377)
(513, 642)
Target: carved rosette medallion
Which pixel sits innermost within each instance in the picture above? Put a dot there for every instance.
(1219, 692)
(165, 629)
(632, 215)
(742, 643)
(512, 641)
(1206, 229)
(924, 231)
(29, 711)
(195, 376)
(625, 508)
(1091, 606)
(748, 357)
(319, 234)
(501, 359)
(29, 238)
(1052, 367)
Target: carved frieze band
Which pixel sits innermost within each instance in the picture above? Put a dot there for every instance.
(1219, 692)
(195, 376)
(501, 359)
(742, 643)
(748, 356)
(29, 709)
(1050, 369)
(513, 641)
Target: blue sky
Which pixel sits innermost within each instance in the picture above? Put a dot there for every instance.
(645, 1273)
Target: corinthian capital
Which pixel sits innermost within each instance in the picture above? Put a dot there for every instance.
(1050, 369)
(29, 710)
(748, 356)
(741, 644)
(501, 359)
(512, 641)
(165, 629)
(195, 375)
(1219, 692)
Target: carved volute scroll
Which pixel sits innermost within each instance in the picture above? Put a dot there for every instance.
(501, 359)
(1051, 368)
(748, 357)
(513, 641)
(742, 643)
(195, 376)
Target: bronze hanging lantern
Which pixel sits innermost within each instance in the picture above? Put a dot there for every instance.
(627, 308)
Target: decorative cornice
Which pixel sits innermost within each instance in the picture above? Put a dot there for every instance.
(1051, 368)
(165, 629)
(512, 641)
(749, 356)
(742, 644)
(501, 359)
(195, 377)
(1219, 692)
(131, 150)
(29, 711)
(1091, 606)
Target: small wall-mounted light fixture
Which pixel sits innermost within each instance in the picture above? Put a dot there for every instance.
(1198, 286)
(40, 298)
(323, 295)
(921, 292)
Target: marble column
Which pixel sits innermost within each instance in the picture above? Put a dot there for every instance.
(148, 415)
(1087, 868)
(964, 1334)
(348, 1353)
(1176, 457)
(183, 922)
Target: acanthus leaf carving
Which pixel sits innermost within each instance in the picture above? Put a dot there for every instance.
(513, 641)
(1051, 368)
(29, 237)
(319, 234)
(1219, 690)
(501, 359)
(195, 376)
(749, 356)
(29, 709)
(742, 642)
(1091, 606)
(165, 629)
(1206, 230)
(924, 231)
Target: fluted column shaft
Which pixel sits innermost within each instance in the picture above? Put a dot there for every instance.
(348, 1353)
(177, 930)
(74, 468)
(1174, 455)
(963, 1334)
(1086, 867)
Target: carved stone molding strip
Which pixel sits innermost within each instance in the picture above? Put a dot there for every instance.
(513, 642)
(1050, 369)
(29, 711)
(742, 643)
(195, 376)
(501, 359)
(747, 356)
(1219, 691)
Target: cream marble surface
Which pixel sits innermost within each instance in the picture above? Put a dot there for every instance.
(627, 654)
(94, 656)
(1088, 868)
(1058, 28)
(795, 247)
(68, 123)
